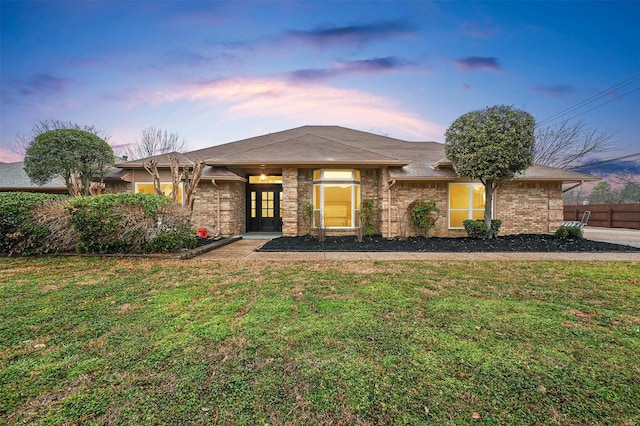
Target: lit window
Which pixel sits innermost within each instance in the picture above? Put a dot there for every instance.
(167, 188)
(265, 179)
(466, 201)
(336, 204)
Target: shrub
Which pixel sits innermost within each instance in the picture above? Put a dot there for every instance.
(569, 232)
(126, 223)
(478, 229)
(171, 241)
(423, 215)
(366, 217)
(18, 233)
(307, 215)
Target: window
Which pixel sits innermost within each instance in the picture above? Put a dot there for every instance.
(265, 179)
(466, 201)
(147, 188)
(336, 197)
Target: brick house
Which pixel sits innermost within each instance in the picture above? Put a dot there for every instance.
(259, 185)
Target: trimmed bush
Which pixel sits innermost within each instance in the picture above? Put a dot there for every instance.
(19, 234)
(569, 232)
(171, 241)
(478, 229)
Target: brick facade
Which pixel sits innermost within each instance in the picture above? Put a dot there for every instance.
(523, 207)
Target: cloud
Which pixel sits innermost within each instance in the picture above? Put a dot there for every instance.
(351, 34)
(242, 99)
(39, 84)
(478, 63)
(7, 156)
(555, 91)
(366, 66)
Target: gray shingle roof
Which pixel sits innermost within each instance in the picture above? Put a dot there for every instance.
(14, 178)
(335, 145)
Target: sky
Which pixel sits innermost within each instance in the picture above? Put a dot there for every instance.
(216, 72)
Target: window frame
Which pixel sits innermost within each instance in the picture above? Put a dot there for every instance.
(323, 180)
(470, 208)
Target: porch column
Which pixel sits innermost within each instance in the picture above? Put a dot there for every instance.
(290, 201)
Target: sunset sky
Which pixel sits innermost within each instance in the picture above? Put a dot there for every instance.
(216, 72)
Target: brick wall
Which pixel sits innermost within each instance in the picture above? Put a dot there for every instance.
(290, 201)
(232, 207)
(529, 207)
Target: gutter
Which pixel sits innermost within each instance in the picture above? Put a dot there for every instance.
(573, 187)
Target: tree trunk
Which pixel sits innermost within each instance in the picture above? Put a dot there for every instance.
(489, 187)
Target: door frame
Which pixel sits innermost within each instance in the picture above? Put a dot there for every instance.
(256, 224)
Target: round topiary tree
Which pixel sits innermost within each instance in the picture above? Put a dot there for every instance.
(74, 155)
(491, 145)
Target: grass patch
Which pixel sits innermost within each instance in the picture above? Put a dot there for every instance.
(120, 341)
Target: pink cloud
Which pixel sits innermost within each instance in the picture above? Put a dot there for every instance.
(7, 156)
(248, 98)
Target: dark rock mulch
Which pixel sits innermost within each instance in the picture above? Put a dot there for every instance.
(508, 243)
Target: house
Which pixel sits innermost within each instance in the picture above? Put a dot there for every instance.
(13, 178)
(259, 185)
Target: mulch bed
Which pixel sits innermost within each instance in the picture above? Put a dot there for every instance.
(508, 243)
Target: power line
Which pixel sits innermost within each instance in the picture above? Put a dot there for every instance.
(595, 98)
(610, 160)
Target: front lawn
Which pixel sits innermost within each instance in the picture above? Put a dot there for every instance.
(121, 341)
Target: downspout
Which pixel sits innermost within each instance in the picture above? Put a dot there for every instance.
(218, 227)
(393, 182)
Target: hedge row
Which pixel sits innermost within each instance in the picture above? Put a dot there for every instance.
(113, 223)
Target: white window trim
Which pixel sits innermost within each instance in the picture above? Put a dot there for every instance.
(322, 182)
(470, 209)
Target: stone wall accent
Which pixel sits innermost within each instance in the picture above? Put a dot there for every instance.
(289, 201)
(305, 193)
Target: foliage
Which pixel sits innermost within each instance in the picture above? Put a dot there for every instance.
(307, 215)
(478, 228)
(171, 241)
(18, 234)
(491, 145)
(121, 341)
(366, 217)
(569, 232)
(116, 223)
(423, 215)
(73, 155)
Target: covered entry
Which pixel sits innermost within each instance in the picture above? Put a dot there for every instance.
(264, 204)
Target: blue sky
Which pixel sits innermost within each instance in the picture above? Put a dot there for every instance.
(216, 72)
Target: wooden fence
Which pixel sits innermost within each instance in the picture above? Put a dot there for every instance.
(607, 215)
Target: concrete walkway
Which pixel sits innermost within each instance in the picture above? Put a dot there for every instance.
(245, 249)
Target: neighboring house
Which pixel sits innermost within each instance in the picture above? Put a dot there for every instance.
(14, 179)
(259, 185)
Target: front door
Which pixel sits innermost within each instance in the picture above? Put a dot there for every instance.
(263, 208)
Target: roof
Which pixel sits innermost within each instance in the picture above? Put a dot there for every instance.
(335, 145)
(14, 178)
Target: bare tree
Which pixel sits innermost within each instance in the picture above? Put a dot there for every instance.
(23, 141)
(567, 145)
(152, 142)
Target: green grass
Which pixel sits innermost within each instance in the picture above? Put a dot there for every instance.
(112, 341)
